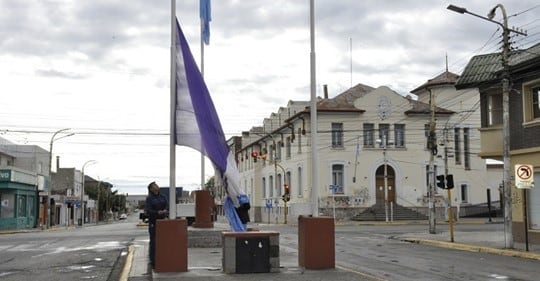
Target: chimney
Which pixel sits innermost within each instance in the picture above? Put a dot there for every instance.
(325, 90)
(57, 163)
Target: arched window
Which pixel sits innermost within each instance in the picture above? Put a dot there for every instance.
(338, 178)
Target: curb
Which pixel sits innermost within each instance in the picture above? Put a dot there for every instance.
(471, 248)
(127, 266)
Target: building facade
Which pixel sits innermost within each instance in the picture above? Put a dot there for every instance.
(485, 73)
(23, 182)
(373, 150)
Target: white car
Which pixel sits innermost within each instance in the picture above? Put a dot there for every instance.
(122, 217)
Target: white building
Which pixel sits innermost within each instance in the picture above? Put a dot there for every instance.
(363, 135)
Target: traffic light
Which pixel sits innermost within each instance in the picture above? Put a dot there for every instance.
(254, 155)
(287, 193)
(449, 181)
(440, 181)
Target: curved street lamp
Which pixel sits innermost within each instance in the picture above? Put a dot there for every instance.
(53, 138)
(89, 162)
(509, 240)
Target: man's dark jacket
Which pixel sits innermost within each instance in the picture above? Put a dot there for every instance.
(155, 203)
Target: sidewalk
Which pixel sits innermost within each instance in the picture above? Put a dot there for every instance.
(205, 263)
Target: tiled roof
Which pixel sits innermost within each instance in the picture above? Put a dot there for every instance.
(345, 100)
(418, 107)
(445, 78)
(485, 69)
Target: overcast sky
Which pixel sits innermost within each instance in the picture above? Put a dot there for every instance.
(101, 67)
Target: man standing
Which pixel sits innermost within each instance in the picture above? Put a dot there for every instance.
(156, 207)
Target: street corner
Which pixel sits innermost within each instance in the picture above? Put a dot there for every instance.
(473, 248)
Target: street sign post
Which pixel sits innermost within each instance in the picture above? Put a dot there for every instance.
(524, 176)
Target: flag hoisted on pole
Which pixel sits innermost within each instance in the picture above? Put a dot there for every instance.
(204, 14)
(197, 125)
(172, 137)
(206, 17)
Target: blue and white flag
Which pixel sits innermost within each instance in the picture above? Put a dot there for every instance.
(197, 124)
(206, 17)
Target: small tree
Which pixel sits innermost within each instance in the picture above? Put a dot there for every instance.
(210, 186)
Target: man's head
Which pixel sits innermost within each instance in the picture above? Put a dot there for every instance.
(153, 187)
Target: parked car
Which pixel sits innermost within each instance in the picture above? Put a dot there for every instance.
(122, 217)
(143, 217)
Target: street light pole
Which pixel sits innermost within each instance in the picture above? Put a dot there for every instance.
(89, 162)
(47, 207)
(385, 179)
(509, 240)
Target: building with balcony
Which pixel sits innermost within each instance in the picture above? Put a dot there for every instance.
(484, 73)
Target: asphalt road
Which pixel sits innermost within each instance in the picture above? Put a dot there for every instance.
(88, 253)
(378, 252)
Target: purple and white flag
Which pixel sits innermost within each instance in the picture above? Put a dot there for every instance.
(197, 124)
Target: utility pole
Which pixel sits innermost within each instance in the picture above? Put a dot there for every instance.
(508, 236)
(450, 212)
(432, 147)
(385, 178)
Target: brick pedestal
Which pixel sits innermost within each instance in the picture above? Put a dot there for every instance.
(171, 245)
(203, 209)
(316, 242)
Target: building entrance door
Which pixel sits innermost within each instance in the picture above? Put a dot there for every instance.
(379, 184)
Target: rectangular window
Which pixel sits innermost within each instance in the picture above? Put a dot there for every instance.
(531, 101)
(337, 178)
(31, 205)
(271, 186)
(399, 135)
(288, 147)
(278, 151)
(264, 187)
(279, 185)
(494, 110)
(369, 136)
(464, 193)
(384, 131)
(536, 102)
(299, 183)
(299, 141)
(271, 152)
(337, 134)
(7, 206)
(466, 149)
(457, 145)
(21, 206)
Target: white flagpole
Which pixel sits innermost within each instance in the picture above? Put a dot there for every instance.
(202, 73)
(172, 152)
(313, 113)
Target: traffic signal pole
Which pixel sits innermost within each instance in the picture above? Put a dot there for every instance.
(449, 190)
(432, 151)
